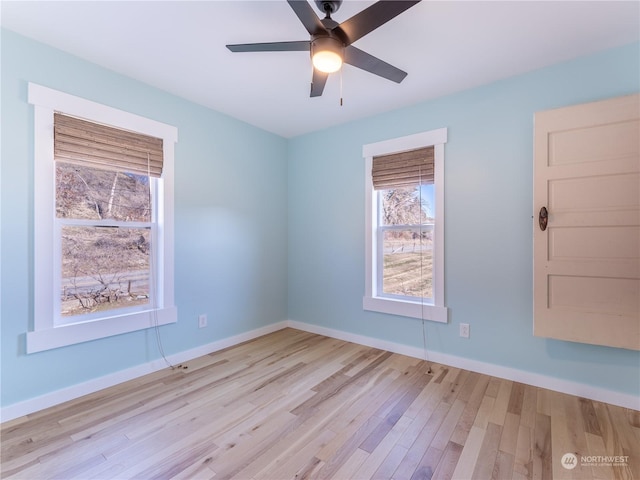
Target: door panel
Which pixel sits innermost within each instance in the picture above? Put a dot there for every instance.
(587, 261)
(615, 296)
(595, 193)
(594, 143)
(609, 244)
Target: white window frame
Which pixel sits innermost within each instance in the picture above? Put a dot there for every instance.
(435, 310)
(45, 334)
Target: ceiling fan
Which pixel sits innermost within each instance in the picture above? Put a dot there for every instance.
(331, 42)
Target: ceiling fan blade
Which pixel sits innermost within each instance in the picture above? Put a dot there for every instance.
(301, 46)
(358, 58)
(307, 16)
(317, 82)
(373, 17)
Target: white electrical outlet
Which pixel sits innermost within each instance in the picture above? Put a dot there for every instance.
(202, 321)
(464, 330)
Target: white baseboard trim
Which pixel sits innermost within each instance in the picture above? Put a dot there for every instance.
(529, 378)
(57, 397)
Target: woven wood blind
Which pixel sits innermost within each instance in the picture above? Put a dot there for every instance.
(100, 146)
(403, 169)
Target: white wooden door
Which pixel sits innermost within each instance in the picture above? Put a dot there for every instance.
(587, 261)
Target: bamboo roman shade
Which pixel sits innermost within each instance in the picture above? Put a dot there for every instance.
(100, 146)
(403, 169)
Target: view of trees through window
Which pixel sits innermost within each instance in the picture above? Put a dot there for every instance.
(105, 218)
(406, 226)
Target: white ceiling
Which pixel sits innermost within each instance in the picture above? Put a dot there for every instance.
(445, 46)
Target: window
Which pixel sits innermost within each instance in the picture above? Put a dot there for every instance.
(405, 228)
(103, 248)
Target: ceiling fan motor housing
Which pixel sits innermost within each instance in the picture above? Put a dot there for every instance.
(329, 42)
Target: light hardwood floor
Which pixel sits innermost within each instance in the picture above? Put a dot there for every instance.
(294, 405)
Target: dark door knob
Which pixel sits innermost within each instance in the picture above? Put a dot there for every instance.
(543, 217)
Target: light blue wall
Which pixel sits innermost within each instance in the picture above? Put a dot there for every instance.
(488, 245)
(230, 223)
(269, 229)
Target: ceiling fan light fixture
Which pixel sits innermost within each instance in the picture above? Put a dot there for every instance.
(326, 54)
(327, 61)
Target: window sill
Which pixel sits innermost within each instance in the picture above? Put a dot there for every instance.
(404, 308)
(62, 336)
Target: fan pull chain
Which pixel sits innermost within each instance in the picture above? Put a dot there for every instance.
(424, 328)
(341, 87)
(153, 283)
